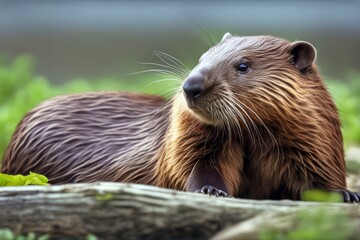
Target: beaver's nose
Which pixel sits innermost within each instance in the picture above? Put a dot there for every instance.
(194, 86)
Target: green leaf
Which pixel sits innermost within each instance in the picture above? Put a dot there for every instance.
(91, 237)
(321, 196)
(43, 237)
(20, 180)
(6, 234)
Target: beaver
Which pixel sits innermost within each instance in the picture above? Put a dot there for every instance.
(253, 120)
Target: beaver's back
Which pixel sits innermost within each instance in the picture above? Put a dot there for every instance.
(89, 137)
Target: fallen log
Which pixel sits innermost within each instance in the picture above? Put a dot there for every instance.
(128, 211)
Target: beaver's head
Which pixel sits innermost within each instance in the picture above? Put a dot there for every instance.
(257, 77)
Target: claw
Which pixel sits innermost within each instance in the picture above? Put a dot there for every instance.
(210, 190)
(354, 196)
(349, 196)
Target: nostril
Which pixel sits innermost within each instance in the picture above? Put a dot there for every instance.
(196, 94)
(192, 90)
(193, 86)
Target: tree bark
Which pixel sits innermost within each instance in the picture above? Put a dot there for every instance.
(128, 211)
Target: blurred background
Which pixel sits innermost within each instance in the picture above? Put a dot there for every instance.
(54, 47)
(91, 39)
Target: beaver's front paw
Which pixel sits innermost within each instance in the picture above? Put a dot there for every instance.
(349, 196)
(207, 189)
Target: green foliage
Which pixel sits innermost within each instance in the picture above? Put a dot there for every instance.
(6, 234)
(20, 180)
(314, 224)
(322, 196)
(20, 91)
(91, 237)
(347, 98)
(353, 167)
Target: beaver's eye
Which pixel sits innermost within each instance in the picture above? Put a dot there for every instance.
(243, 67)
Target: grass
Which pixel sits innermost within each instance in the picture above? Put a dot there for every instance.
(21, 90)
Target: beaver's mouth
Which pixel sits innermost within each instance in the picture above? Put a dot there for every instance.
(201, 108)
(198, 104)
(190, 102)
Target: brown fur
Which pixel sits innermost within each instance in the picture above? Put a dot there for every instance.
(271, 133)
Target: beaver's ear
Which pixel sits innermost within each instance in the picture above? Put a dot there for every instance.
(304, 54)
(226, 36)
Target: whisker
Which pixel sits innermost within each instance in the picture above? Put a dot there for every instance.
(190, 57)
(254, 126)
(165, 91)
(166, 79)
(208, 35)
(223, 113)
(168, 93)
(237, 113)
(155, 70)
(238, 105)
(266, 128)
(200, 36)
(176, 71)
(172, 83)
(203, 45)
(172, 59)
(231, 107)
(235, 122)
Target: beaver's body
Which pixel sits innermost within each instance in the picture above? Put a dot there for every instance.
(253, 120)
(90, 137)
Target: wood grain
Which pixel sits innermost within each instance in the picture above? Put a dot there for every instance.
(127, 211)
